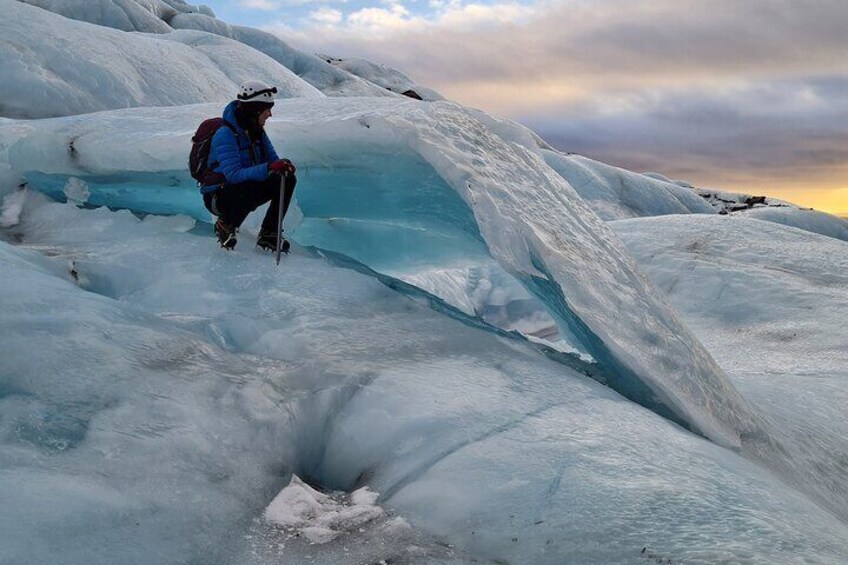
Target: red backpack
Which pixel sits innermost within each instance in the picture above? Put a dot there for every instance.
(201, 143)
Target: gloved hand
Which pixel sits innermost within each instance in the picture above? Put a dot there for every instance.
(281, 167)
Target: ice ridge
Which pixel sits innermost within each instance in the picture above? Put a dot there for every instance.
(443, 307)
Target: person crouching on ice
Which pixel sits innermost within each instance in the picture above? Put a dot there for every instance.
(248, 169)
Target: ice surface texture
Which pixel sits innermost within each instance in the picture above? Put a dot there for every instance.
(511, 207)
(770, 305)
(327, 78)
(807, 220)
(387, 77)
(128, 71)
(149, 16)
(154, 403)
(156, 389)
(617, 194)
(775, 292)
(205, 61)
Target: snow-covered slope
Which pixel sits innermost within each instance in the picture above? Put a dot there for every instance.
(774, 210)
(330, 80)
(808, 220)
(159, 17)
(150, 16)
(241, 63)
(773, 296)
(387, 77)
(618, 194)
(54, 66)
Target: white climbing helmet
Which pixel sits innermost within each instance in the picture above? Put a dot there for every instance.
(256, 91)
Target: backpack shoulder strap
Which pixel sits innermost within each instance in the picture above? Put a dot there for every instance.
(222, 122)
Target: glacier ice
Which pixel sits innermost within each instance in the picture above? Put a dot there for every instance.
(148, 16)
(330, 80)
(202, 67)
(157, 395)
(618, 194)
(770, 306)
(159, 16)
(510, 204)
(775, 293)
(403, 190)
(777, 211)
(804, 219)
(240, 63)
(381, 75)
(60, 81)
(174, 395)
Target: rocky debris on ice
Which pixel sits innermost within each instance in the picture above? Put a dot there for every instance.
(729, 202)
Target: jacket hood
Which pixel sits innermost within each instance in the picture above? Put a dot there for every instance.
(230, 116)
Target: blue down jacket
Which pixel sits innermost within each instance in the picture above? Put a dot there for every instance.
(233, 156)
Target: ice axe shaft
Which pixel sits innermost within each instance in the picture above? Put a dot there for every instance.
(283, 178)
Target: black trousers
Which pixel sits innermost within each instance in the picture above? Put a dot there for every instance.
(233, 202)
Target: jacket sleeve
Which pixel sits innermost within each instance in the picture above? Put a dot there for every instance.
(269, 148)
(228, 155)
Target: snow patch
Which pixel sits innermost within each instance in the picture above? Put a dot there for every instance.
(301, 510)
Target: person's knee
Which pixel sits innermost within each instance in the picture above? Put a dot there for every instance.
(268, 188)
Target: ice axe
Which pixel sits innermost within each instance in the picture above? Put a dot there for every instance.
(283, 178)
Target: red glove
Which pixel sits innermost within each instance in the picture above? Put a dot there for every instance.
(281, 167)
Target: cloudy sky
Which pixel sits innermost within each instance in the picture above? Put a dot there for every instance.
(746, 95)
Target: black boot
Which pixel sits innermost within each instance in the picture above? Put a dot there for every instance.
(226, 234)
(267, 240)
